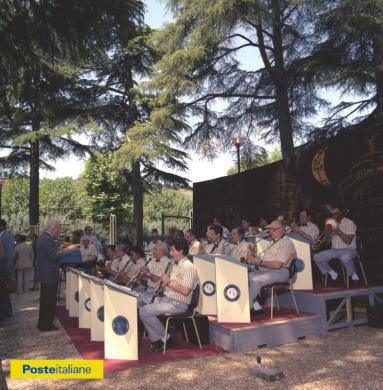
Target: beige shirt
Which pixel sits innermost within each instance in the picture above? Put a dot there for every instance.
(184, 274)
(119, 264)
(347, 227)
(311, 229)
(239, 250)
(133, 267)
(194, 247)
(23, 255)
(281, 250)
(221, 248)
(89, 253)
(151, 246)
(157, 268)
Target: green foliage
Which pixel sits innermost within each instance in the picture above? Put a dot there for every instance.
(261, 159)
(107, 191)
(170, 202)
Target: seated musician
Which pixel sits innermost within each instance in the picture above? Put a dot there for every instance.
(225, 230)
(194, 244)
(118, 264)
(111, 253)
(218, 245)
(343, 246)
(152, 272)
(179, 286)
(137, 262)
(261, 228)
(239, 248)
(305, 227)
(273, 264)
(246, 226)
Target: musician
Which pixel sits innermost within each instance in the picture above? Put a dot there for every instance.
(218, 245)
(110, 252)
(261, 228)
(240, 247)
(343, 246)
(154, 237)
(273, 264)
(246, 226)
(137, 262)
(152, 272)
(306, 228)
(118, 264)
(179, 287)
(225, 230)
(194, 244)
(88, 250)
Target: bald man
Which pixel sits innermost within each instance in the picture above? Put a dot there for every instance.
(273, 264)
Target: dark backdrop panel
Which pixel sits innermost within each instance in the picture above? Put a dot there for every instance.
(348, 167)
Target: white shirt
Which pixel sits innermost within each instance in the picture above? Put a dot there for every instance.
(311, 229)
(194, 247)
(240, 250)
(157, 267)
(220, 248)
(347, 227)
(89, 253)
(119, 264)
(133, 267)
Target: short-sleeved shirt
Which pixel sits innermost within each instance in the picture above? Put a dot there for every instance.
(118, 264)
(194, 248)
(311, 229)
(347, 227)
(184, 274)
(220, 248)
(281, 250)
(133, 267)
(89, 253)
(240, 250)
(157, 267)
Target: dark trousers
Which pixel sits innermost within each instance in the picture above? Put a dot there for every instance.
(48, 296)
(5, 306)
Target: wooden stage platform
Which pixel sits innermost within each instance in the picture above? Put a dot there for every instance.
(322, 310)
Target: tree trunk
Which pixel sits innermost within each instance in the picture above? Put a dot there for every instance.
(138, 203)
(34, 180)
(281, 87)
(378, 61)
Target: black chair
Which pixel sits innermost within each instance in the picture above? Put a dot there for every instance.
(289, 285)
(189, 314)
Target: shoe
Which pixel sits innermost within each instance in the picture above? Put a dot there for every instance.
(157, 346)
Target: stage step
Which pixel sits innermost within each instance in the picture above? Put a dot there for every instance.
(255, 335)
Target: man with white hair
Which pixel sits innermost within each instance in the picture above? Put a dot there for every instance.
(88, 250)
(48, 273)
(273, 264)
(153, 271)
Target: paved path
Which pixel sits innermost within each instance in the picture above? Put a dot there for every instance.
(344, 359)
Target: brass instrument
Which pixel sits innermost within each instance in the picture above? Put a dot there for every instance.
(134, 279)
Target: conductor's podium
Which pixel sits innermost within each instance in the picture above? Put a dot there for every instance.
(224, 288)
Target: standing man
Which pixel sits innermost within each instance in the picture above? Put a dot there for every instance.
(48, 274)
(306, 228)
(6, 267)
(23, 264)
(343, 246)
(154, 237)
(179, 287)
(273, 265)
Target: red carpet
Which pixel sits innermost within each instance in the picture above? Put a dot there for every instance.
(264, 318)
(95, 349)
(320, 289)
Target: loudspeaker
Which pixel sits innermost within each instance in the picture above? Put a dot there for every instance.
(375, 316)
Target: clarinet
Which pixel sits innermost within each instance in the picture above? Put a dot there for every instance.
(160, 289)
(133, 281)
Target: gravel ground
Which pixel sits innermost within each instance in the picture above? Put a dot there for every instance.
(344, 359)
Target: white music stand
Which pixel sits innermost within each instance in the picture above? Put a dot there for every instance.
(97, 309)
(84, 300)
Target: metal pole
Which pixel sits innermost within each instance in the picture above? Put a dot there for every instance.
(162, 226)
(238, 159)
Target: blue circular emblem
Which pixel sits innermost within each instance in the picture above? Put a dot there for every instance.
(100, 313)
(120, 325)
(76, 296)
(232, 292)
(208, 288)
(87, 304)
